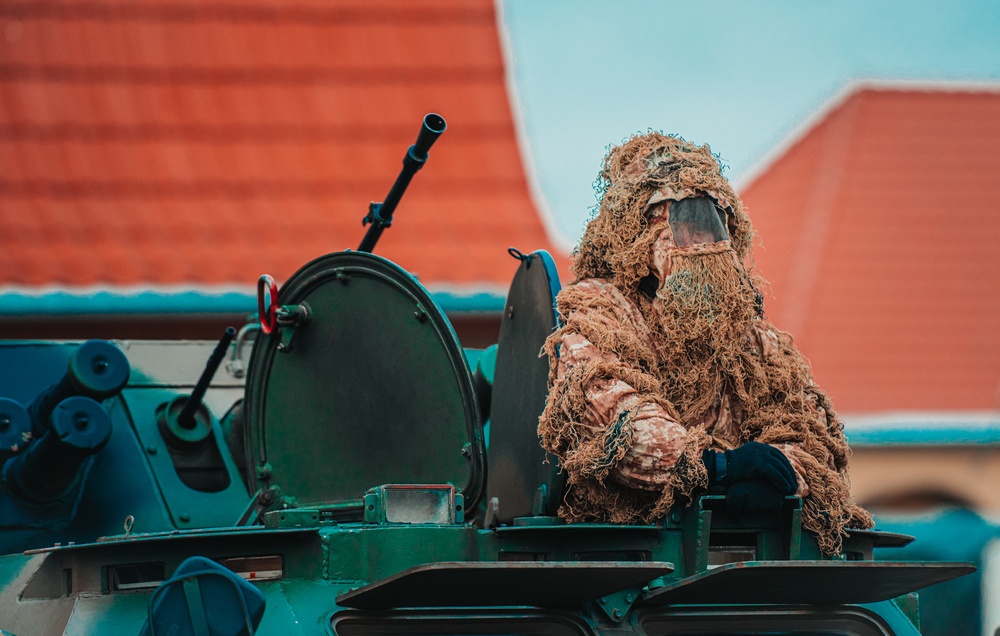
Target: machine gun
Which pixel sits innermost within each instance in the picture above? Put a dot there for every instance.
(380, 214)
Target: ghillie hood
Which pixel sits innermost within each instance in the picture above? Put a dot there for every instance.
(645, 169)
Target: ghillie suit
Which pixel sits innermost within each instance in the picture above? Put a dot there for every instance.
(664, 352)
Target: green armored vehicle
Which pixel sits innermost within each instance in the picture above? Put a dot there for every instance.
(343, 466)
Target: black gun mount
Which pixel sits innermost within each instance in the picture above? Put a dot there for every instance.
(185, 422)
(380, 214)
(186, 416)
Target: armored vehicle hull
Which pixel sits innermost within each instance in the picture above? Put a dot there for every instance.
(343, 466)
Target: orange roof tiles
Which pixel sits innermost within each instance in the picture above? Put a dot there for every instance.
(882, 244)
(181, 143)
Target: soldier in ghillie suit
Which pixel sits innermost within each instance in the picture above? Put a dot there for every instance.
(665, 377)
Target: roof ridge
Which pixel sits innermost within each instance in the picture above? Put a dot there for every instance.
(927, 85)
(841, 97)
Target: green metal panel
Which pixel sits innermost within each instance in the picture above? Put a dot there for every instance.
(806, 582)
(117, 615)
(586, 542)
(392, 549)
(773, 620)
(31, 617)
(536, 583)
(188, 508)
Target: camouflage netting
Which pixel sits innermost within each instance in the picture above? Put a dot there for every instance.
(705, 339)
(616, 245)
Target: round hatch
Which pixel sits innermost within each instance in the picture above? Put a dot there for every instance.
(370, 388)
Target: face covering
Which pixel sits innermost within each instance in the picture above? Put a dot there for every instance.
(683, 228)
(704, 303)
(697, 221)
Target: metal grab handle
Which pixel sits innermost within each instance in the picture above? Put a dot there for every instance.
(268, 319)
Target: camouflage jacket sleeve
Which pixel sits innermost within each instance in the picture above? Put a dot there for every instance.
(605, 418)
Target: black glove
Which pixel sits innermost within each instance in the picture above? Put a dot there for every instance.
(751, 461)
(752, 495)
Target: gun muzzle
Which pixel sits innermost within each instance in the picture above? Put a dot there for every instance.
(432, 128)
(97, 369)
(380, 214)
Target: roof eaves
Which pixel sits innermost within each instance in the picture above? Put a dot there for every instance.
(469, 299)
(923, 428)
(174, 300)
(797, 134)
(93, 300)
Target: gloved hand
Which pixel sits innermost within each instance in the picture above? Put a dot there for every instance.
(752, 495)
(752, 460)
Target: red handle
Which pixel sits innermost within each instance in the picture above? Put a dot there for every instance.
(269, 318)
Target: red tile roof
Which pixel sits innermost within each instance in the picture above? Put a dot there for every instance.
(882, 242)
(201, 144)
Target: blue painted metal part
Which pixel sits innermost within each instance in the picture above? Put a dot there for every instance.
(202, 598)
(91, 303)
(131, 473)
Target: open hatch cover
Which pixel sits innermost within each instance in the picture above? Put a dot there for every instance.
(806, 582)
(502, 584)
(526, 480)
(373, 388)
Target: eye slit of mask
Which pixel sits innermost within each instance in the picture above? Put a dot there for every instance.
(697, 221)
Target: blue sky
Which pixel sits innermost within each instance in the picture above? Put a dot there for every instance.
(738, 75)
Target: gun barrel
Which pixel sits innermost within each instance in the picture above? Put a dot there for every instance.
(79, 427)
(96, 369)
(380, 215)
(186, 416)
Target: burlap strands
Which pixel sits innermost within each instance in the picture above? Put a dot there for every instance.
(698, 352)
